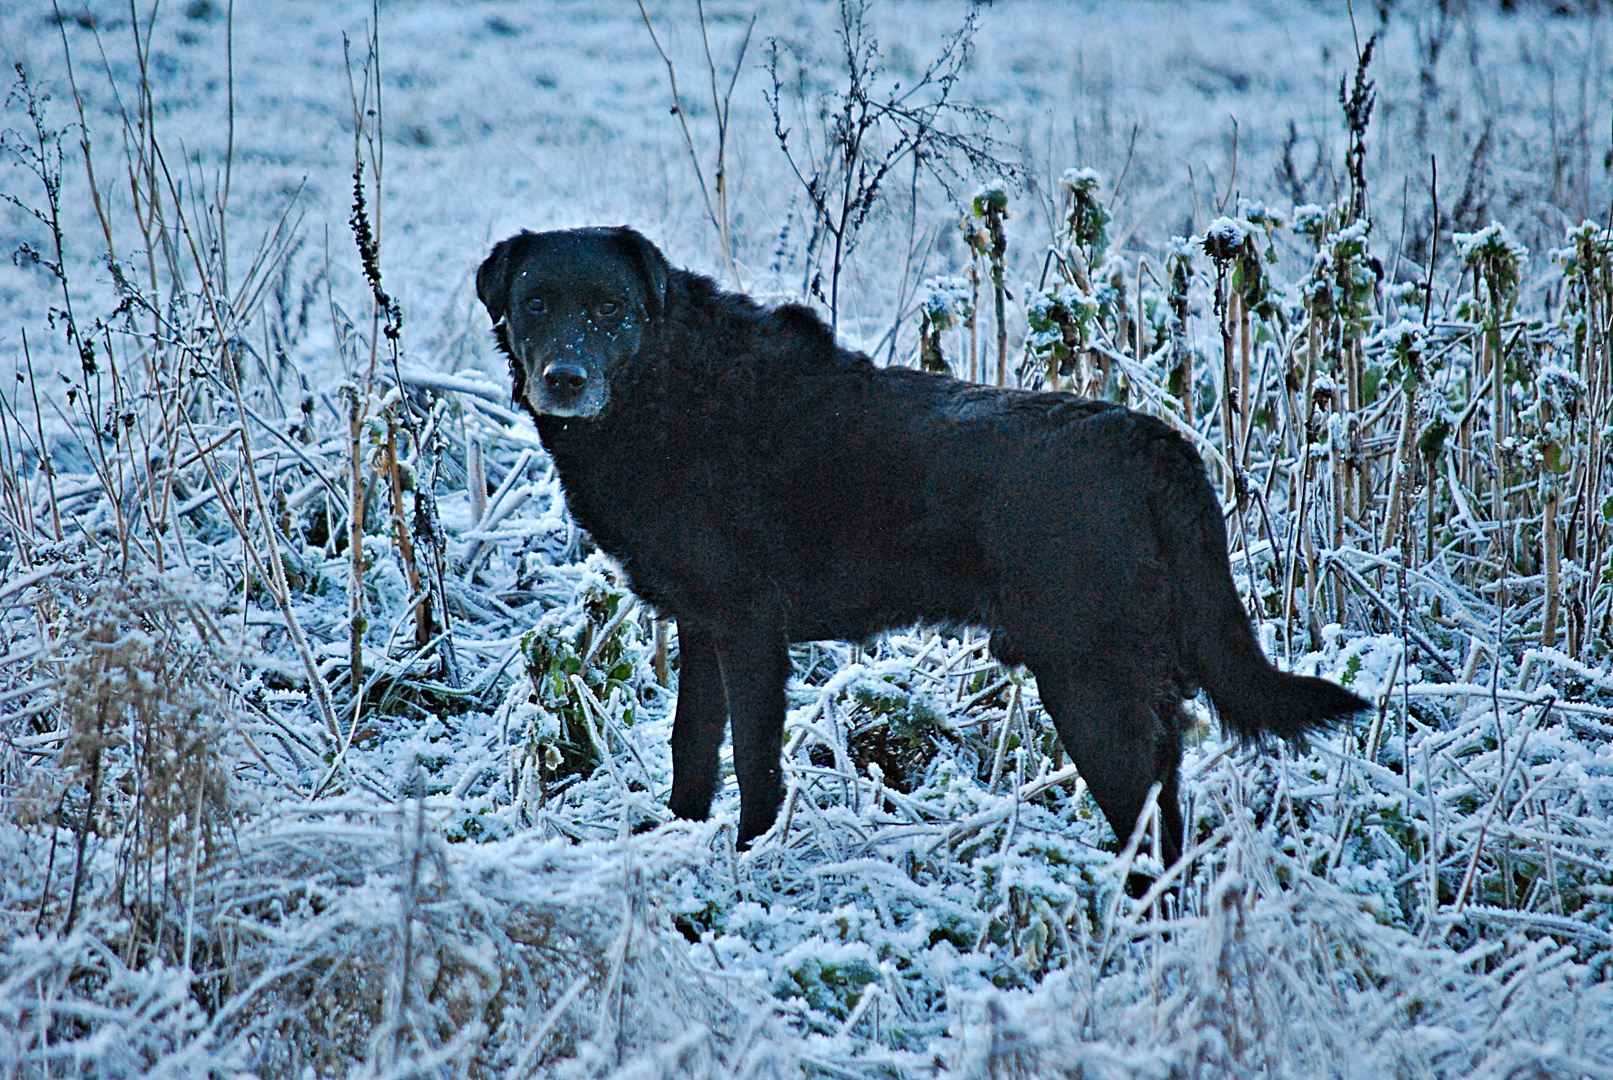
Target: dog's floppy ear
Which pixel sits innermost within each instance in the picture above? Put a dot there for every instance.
(493, 278)
(493, 290)
(652, 266)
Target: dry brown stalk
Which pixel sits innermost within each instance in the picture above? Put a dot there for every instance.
(1553, 554)
(972, 320)
(1226, 306)
(1245, 400)
(355, 543)
(402, 536)
(475, 476)
(1400, 475)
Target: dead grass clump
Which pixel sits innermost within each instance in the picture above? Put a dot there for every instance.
(358, 943)
(139, 710)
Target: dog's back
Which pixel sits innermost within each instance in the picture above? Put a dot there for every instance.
(1069, 528)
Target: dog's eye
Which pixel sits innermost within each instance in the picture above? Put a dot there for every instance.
(535, 305)
(607, 308)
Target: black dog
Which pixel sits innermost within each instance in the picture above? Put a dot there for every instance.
(763, 486)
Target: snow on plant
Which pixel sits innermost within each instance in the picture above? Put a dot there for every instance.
(1499, 261)
(944, 303)
(1089, 293)
(1061, 322)
(1086, 219)
(1224, 238)
(587, 668)
(1587, 268)
(1344, 278)
(1547, 420)
(1249, 277)
(989, 199)
(1314, 222)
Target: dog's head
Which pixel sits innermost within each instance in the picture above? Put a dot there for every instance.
(570, 308)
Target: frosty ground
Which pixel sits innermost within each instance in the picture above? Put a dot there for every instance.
(263, 817)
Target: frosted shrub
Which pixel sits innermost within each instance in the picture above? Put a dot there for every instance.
(147, 736)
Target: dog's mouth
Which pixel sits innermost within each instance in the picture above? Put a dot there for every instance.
(573, 411)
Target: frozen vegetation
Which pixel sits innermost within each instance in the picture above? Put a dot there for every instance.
(328, 746)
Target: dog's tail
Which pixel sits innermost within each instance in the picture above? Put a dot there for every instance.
(1253, 698)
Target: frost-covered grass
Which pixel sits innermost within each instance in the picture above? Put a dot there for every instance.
(292, 794)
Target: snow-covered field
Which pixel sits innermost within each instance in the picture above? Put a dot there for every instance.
(227, 848)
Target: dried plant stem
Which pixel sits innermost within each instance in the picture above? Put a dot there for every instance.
(998, 290)
(663, 671)
(18, 499)
(1226, 305)
(1181, 351)
(973, 319)
(475, 476)
(414, 848)
(88, 821)
(1400, 478)
(715, 196)
(1246, 407)
(402, 535)
(1492, 368)
(274, 577)
(1139, 343)
(1303, 418)
(195, 860)
(1300, 533)
(46, 465)
(1362, 463)
(1553, 558)
(355, 543)
(1340, 493)
(996, 252)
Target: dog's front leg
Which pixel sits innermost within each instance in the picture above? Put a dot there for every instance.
(698, 724)
(755, 658)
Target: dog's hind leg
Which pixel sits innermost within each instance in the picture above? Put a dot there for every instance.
(697, 726)
(755, 658)
(1119, 741)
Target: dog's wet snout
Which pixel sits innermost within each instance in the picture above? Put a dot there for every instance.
(565, 377)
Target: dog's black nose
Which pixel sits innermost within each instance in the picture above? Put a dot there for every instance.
(565, 377)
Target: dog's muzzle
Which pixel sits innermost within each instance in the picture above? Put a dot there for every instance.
(564, 386)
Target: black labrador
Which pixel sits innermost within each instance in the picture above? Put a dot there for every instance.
(763, 486)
